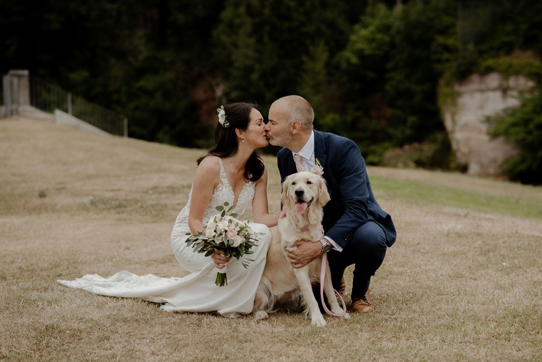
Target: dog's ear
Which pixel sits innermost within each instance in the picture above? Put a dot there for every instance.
(314, 215)
(285, 195)
(323, 195)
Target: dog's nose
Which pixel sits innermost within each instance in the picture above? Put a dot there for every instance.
(299, 192)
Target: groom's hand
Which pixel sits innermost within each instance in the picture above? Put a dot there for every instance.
(306, 252)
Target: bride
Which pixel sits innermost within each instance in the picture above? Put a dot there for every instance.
(231, 172)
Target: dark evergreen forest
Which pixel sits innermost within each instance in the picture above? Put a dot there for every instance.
(372, 69)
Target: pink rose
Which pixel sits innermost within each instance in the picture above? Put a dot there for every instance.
(231, 234)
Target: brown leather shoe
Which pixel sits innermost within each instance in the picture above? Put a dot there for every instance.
(362, 305)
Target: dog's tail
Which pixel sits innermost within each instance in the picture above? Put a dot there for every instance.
(264, 300)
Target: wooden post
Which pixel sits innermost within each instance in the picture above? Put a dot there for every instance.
(6, 83)
(69, 103)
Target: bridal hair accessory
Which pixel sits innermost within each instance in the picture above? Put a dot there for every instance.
(222, 117)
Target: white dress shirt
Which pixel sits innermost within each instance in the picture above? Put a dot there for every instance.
(308, 159)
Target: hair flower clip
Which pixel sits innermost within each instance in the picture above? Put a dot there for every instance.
(222, 117)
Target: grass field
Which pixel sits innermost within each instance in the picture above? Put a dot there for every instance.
(463, 282)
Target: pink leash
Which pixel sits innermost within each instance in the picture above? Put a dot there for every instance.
(322, 277)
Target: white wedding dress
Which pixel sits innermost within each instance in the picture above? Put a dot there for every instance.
(197, 291)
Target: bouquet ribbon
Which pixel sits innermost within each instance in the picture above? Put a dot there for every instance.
(221, 277)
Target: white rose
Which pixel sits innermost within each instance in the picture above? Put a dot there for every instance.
(210, 229)
(238, 240)
(223, 225)
(210, 233)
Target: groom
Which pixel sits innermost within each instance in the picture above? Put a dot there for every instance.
(357, 230)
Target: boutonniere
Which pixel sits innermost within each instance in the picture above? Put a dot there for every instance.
(317, 168)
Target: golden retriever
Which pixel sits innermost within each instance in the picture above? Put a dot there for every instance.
(304, 196)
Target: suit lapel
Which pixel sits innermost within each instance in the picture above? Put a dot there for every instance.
(287, 163)
(291, 164)
(319, 148)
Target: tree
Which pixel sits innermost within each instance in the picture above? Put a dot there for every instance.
(392, 65)
(522, 127)
(262, 46)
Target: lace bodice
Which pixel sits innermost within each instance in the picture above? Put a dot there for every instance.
(221, 194)
(224, 193)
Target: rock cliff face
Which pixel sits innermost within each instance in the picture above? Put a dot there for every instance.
(477, 97)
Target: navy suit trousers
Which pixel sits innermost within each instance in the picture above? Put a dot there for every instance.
(366, 250)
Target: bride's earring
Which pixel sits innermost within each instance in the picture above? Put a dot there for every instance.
(243, 140)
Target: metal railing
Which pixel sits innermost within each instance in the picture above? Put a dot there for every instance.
(48, 97)
(2, 94)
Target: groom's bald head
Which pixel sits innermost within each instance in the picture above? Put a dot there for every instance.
(298, 109)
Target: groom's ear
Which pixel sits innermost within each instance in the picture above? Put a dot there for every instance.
(295, 126)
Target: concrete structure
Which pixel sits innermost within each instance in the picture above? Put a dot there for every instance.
(16, 97)
(16, 91)
(478, 97)
(35, 113)
(69, 120)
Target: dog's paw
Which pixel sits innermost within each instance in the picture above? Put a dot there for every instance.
(260, 315)
(319, 322)
(338, 311)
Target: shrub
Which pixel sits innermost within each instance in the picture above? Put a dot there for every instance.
(522, 127)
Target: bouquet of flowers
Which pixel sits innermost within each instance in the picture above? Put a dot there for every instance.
(225, 232)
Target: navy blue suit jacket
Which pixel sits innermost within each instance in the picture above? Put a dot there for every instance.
(352, 201)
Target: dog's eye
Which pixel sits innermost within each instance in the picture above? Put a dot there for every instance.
(309, 182)
(293, 183)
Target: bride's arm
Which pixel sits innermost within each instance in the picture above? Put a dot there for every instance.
(260, 208)
(206, 179)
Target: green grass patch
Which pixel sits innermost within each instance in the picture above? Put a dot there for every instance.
(441, 195)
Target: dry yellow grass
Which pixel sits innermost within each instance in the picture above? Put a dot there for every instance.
(458, 284)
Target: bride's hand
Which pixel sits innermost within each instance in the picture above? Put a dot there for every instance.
(220, 258)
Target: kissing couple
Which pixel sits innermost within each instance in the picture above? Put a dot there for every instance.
(356, 229)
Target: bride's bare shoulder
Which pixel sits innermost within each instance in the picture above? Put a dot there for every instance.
(210, 165)
(263, 178)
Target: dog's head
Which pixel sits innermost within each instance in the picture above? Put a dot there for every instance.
(305, 192)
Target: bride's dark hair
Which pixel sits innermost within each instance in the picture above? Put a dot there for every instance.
(226, 143)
